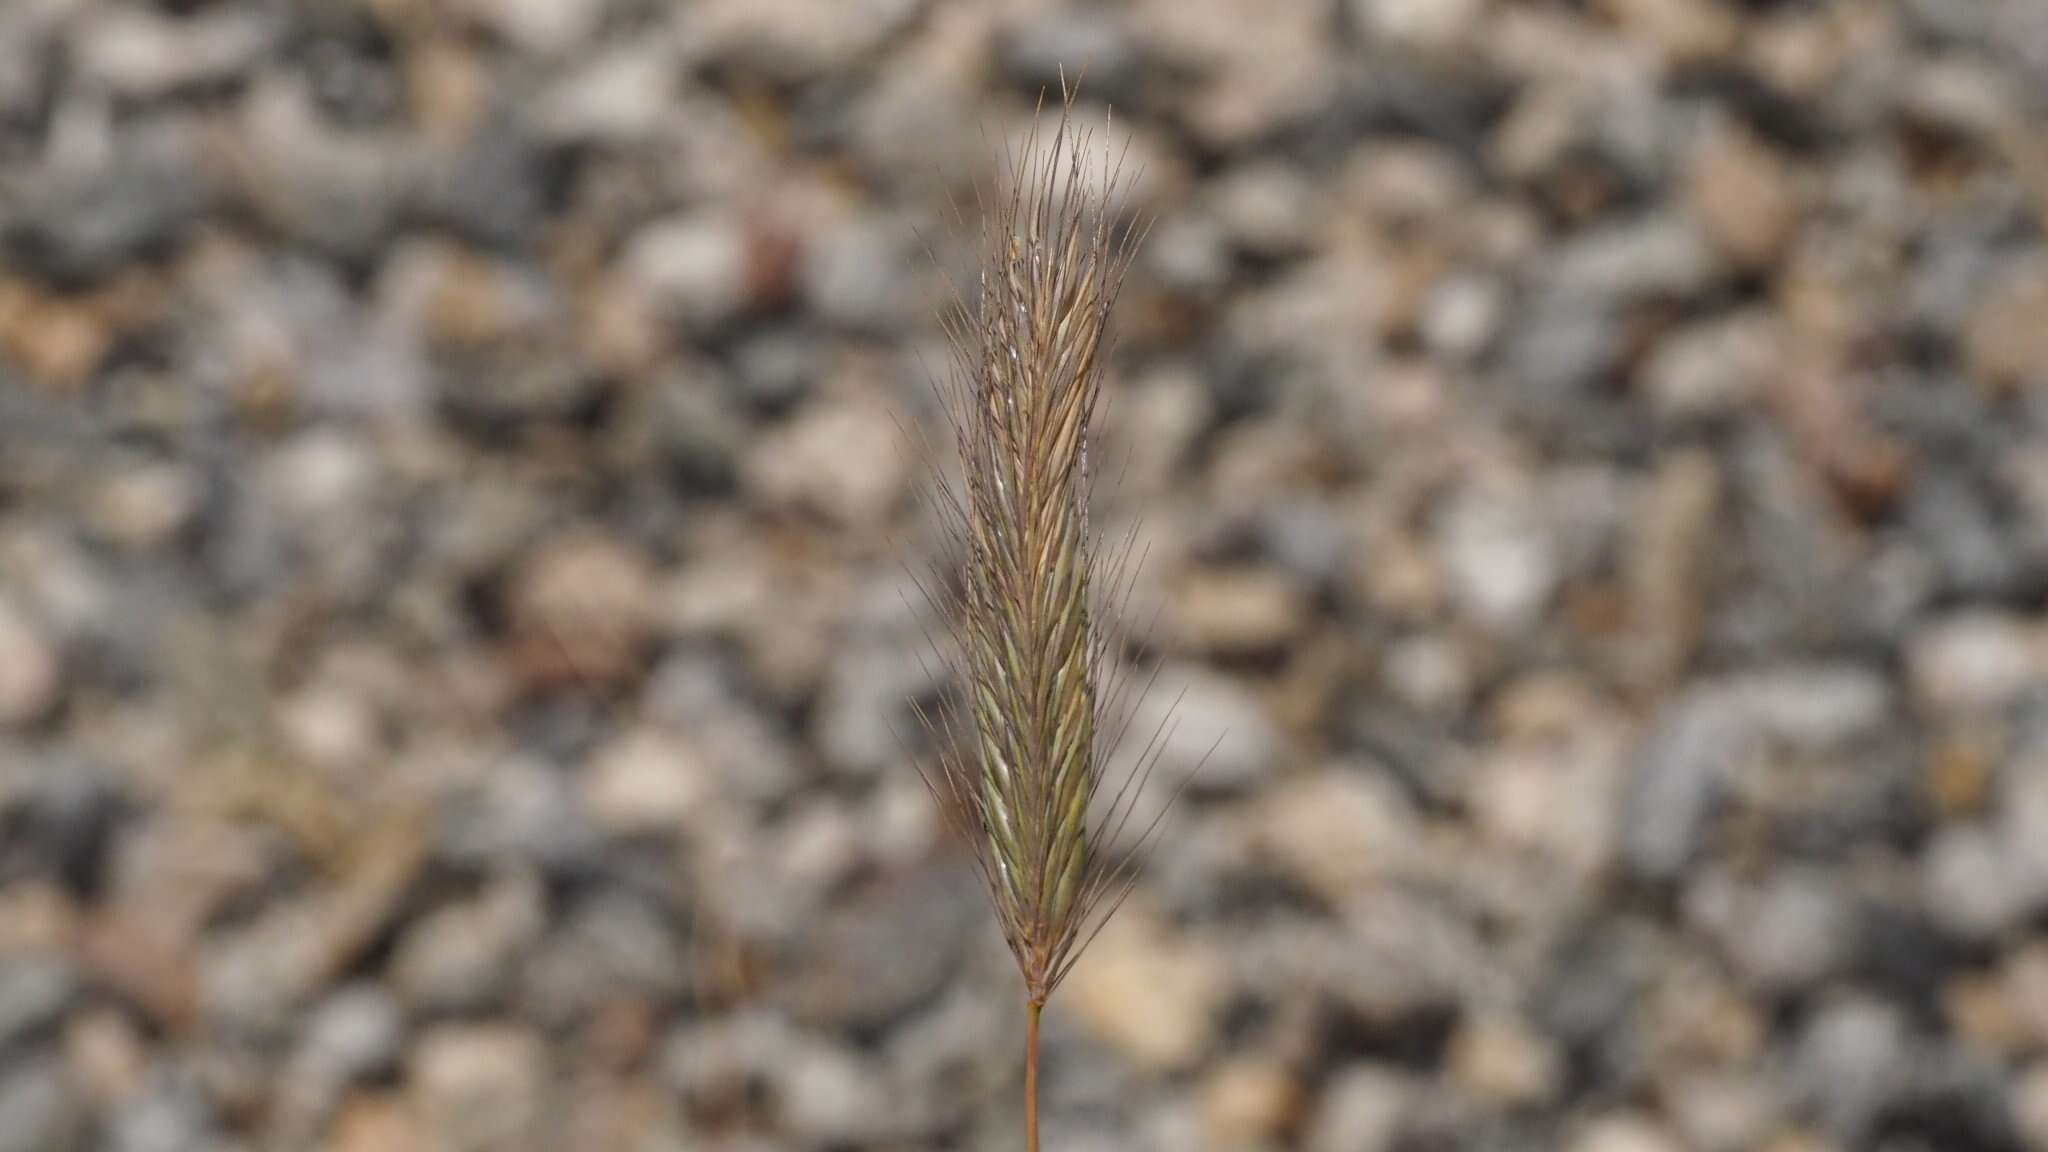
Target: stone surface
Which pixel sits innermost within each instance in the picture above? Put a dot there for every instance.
(31, 678)
(1362, 1109)
(462, 518)
(480, 1086)
(1150, 993)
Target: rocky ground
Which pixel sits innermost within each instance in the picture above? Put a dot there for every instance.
(1594, 460)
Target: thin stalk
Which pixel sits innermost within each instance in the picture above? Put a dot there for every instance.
(1031, 1077)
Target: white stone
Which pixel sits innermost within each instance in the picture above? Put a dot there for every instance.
(1972, 661)
(1501, 560)
(1435, 25)
(647, 782)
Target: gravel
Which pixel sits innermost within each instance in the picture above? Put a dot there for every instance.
(459, 466)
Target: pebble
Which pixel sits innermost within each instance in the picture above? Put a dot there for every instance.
(1463, 316)
(35, 991)
(1687, 31)
(1504, 1062)
(1152, 994)
(2029, 1103)
(839, 460)
(1968, 884)
(1035, 51)
(792, 40)
(30, 669)
(1338, 830)
(137, 54)
(356, 1033)
(583, 606)
(1248, 1102)
(1787, 933)
(1852, 1061)
(39, 1108)
(857, 974)
(2004, 341)
(542, 27)
(610, 949)
(618, 99)
(1625, 1133)
(1266, 210)
(480, 1087)
(1971, 661)
(1681, 771)
(1212, 734)
(1363, 1109)
(854, 275)
(1712, 371)
(693, 267)
(648, 782)
(1498, 557)
(830, 1097)
(1235, 611)
(1588, 454)
(1413, 24)
(463, 957)
(2022, 816)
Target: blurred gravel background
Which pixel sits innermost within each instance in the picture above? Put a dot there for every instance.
(1594, 458)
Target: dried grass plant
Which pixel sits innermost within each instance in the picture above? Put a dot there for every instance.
(1022, 769)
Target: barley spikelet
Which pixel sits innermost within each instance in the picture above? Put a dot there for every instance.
(1022, 771)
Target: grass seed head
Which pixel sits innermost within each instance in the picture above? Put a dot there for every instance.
(1021, 771)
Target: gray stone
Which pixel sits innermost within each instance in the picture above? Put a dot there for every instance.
(776, 368)
(1633, 261)
(791, 41)
(854, 971)
(334, 190)
(138, 54)
(1853, 1059)
(1211, 733)
(522, 810)
(610, 946)
(1785, 934)
(854, 274)
(618, 98)
(172, 1115)
(40, 1110)
(464, 956)
(831, 1097)
(1266, 209)
(542, 27)
(35, 992)
(1714, 370)
(1036, 54)
(2022, 820)
(1188, 252)
(1681, 769)
(1967, 884)
(86, 214)
(720, 1061)
(487, 190)
(354, 1033)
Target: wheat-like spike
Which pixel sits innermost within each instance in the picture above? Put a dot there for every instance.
(1035, 667)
